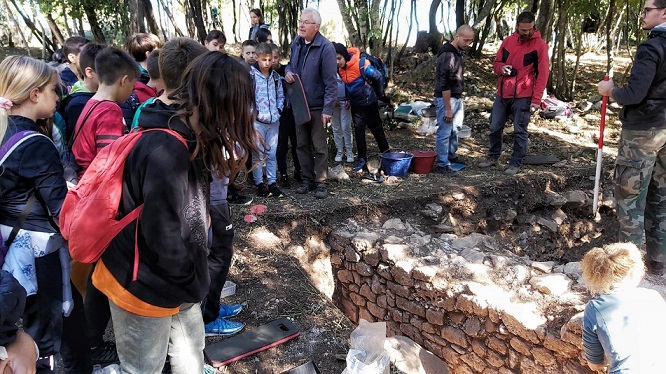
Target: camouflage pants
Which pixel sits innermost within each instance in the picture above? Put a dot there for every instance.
(640, 190)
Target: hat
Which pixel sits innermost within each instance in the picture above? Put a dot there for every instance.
(341, 50)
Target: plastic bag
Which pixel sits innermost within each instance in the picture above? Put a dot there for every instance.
(367, 354)
(428, 126)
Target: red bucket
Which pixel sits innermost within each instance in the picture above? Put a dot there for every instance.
(423, 161)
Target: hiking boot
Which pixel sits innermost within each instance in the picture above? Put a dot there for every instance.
(446, 170)
(488, 163)
(274, 191)
(104, 354)
(238, 199)
(360, 166)
(304, 188)
(223, 327)
(655, 267)
(262, 190)
(511, 170)
(338, 156)
(232, 310)
(284, 181)
(321, 192)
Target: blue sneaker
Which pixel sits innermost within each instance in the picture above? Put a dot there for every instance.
(360, 165)
(227, 311)
(223, 327)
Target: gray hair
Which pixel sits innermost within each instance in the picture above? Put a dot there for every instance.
(315, 14)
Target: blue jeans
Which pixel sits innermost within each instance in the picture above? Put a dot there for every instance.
(446, 140)
(520, 108)
(143, 342)
(266, 155)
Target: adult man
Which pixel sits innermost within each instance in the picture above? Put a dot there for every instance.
(313, 59)
(449, 85)
(522, 66)
(640, 167)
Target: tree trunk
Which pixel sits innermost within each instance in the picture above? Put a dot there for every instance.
(28, 22)
(198, 18)
(150, 18)
(610, 34)
(486, 10)
(434, 36)
(134, 19)
(89, 9)
(55, 30)
(355, 37)
(189, 19)
(173, 21)
(412, 17)
(18, 28)
(545, 19)
(460, 13)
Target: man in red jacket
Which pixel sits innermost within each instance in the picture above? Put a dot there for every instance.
(522, 67)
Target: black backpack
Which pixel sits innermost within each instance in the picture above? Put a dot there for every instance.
(376, 63)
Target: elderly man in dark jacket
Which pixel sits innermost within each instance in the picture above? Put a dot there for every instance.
(313, 59)
(449, 86)
(640, 167)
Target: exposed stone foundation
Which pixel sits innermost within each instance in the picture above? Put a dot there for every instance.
(481, 309)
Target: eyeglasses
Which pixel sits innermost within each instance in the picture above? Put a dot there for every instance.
(302, 22)
(647, 10)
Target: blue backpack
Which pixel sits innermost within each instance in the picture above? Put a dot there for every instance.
(376, 63)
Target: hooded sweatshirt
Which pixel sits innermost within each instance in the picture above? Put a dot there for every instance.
(449, 71)
(269, 95)
(644, 96)
(356, 76)
(530, 59)
(172, 232)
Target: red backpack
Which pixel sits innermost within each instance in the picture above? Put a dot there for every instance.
(88, 219)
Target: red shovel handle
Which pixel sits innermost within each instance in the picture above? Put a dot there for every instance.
(604, 103)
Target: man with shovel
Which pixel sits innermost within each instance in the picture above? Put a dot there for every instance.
(640, 167)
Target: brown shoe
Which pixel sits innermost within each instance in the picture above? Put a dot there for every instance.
(488, 163)
(511, 170)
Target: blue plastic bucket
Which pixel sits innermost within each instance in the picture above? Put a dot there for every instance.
(396, 163)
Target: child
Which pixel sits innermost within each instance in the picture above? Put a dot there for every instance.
(363, 99)
(139, 46)
(70, 74)
(256, 23)
(101, 121)
(82, 91)
(269, 104)
(342, 127)
(623, 323)
(264, 35)
(33, 175)
(215, 41)
(248, 54)
(160, 314)
(287, 131)
(153, 67)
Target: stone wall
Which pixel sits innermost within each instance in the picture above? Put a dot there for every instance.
(481, 309)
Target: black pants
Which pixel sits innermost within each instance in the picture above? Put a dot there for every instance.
(44, 322)
(287, 133)
(368, 116)
(97, 312)
(219, 259)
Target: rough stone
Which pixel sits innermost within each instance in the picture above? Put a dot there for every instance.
(499, 262)
(456, 318)
(544, 267)
(409, 357)
(433, 211)
(527, 365)
(364, 269)
(495, 360)
(562, 348)
(357, 299)
(351, 255)
(364, 240)
(458, 196)
(479, 347)
(454, 335)
(345, 276)
(410, 306)
(429, 328)
(510, 215)
(472, 255)
(394, 252)
(393, 240)
(402, 272)
(384, 271)
(543, 356)
(559, 216)
(425, 273)
(336, 259)
(521, 346)
(520, 272)
(376, 311)
(526, 219)
(497, 345)
(376, 285)
(551, 284)
(474, 240)
(576, 197)
(573, 270)
(371, 257)
(547, 223)
(472, 327)
(350, 310)
(381, 301)
(393, 224)
(398, 289)
(554, 199)
(474, 362)
(366, 292)
(365, 314)
(525, 321)
(434, 316)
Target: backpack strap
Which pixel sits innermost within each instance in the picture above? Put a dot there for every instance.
(361, 66)
(71, 141)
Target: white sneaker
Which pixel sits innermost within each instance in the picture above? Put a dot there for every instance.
(338, 157)
(350, 157)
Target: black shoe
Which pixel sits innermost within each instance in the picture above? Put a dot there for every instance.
(656, 268)
(284, 181)
(297, 176)
(446, 170)
(454, 160)
(321, 192)
(104, 354)
(238, 199)
(274, 191)
(304, 188)
(262, 190)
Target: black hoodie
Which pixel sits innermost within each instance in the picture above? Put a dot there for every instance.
(449, 71)
(172, 240)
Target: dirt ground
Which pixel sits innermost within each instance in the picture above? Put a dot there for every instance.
(272, 284)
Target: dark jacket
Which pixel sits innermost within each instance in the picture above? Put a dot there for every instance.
(644, 96)
(531, 61)
(356, 78)
(12, 303)
(449, 71)
(173, 267)
(33, 167)
(71, 108)
(315, 64)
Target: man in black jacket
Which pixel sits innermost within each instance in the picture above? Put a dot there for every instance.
(449, 85)
(640, 167)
